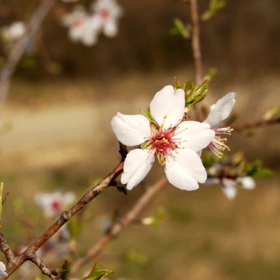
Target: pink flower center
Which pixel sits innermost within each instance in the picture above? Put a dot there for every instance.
(56, 205)
(105, 14)
(78, 22)
(162, 141)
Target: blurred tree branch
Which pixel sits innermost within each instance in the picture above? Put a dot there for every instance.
(256, 124)
(197, 57)
(19, 48)
(119, 225)
(15, 262)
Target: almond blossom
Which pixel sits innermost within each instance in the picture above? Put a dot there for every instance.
(80, 26)
(168, 137)
(219, 112)
(14, 32)
(54, 203)
(106, 15)
(229, 186)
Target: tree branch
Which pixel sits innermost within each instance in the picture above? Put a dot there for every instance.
(118, 226)
(65, 216)
(45, 270)
(241, 127)
(195, 41)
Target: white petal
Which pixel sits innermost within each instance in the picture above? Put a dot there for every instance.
(229, 188)
(68, 198)
(195, 135)
(131, 130)
(246, 182)
(221, 109)
(3, 269)
(137, 164)
(110, 28)
(167, 106)
(2, 266)
(3, 274)
(185, 170)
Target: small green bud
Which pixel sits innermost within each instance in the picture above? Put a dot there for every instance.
(214, 7)
(179, 28)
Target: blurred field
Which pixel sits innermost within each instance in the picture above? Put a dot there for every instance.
(57, 135)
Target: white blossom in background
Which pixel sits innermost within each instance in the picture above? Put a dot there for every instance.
(219, 112)
(229, 186)
(174, 142)
(13, 32)
(81, 28)
(54, 203)
(3, 270)
(105, 16)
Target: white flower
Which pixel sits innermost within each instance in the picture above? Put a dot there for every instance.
(229, 186)
(175, 142)
(3, 270)
(106, 15)
(246, 182)
(54, 203)
(14, 32)
(80, 26)
(219, 112)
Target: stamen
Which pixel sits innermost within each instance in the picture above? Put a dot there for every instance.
(217, 146)
(223, 130)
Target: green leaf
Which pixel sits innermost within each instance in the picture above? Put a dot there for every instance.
(179, 28)
(256, 169)
(195, 93)
(65, 269)
(214, 7)
(97, 274)
(211, 74)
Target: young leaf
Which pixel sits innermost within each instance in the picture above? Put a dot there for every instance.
(214, 7)
(179, 28)
(97, 274)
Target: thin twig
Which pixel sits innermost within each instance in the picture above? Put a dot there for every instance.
(240, 127)
(195, 40)
(45, 270)
(118, 226)
(4, 247)
(65, 216)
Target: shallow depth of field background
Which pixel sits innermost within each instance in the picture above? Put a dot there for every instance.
(55, 134)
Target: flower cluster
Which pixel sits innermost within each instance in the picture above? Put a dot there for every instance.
(164, 132)
(85, 27)
(229, 186)
(54, 203)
